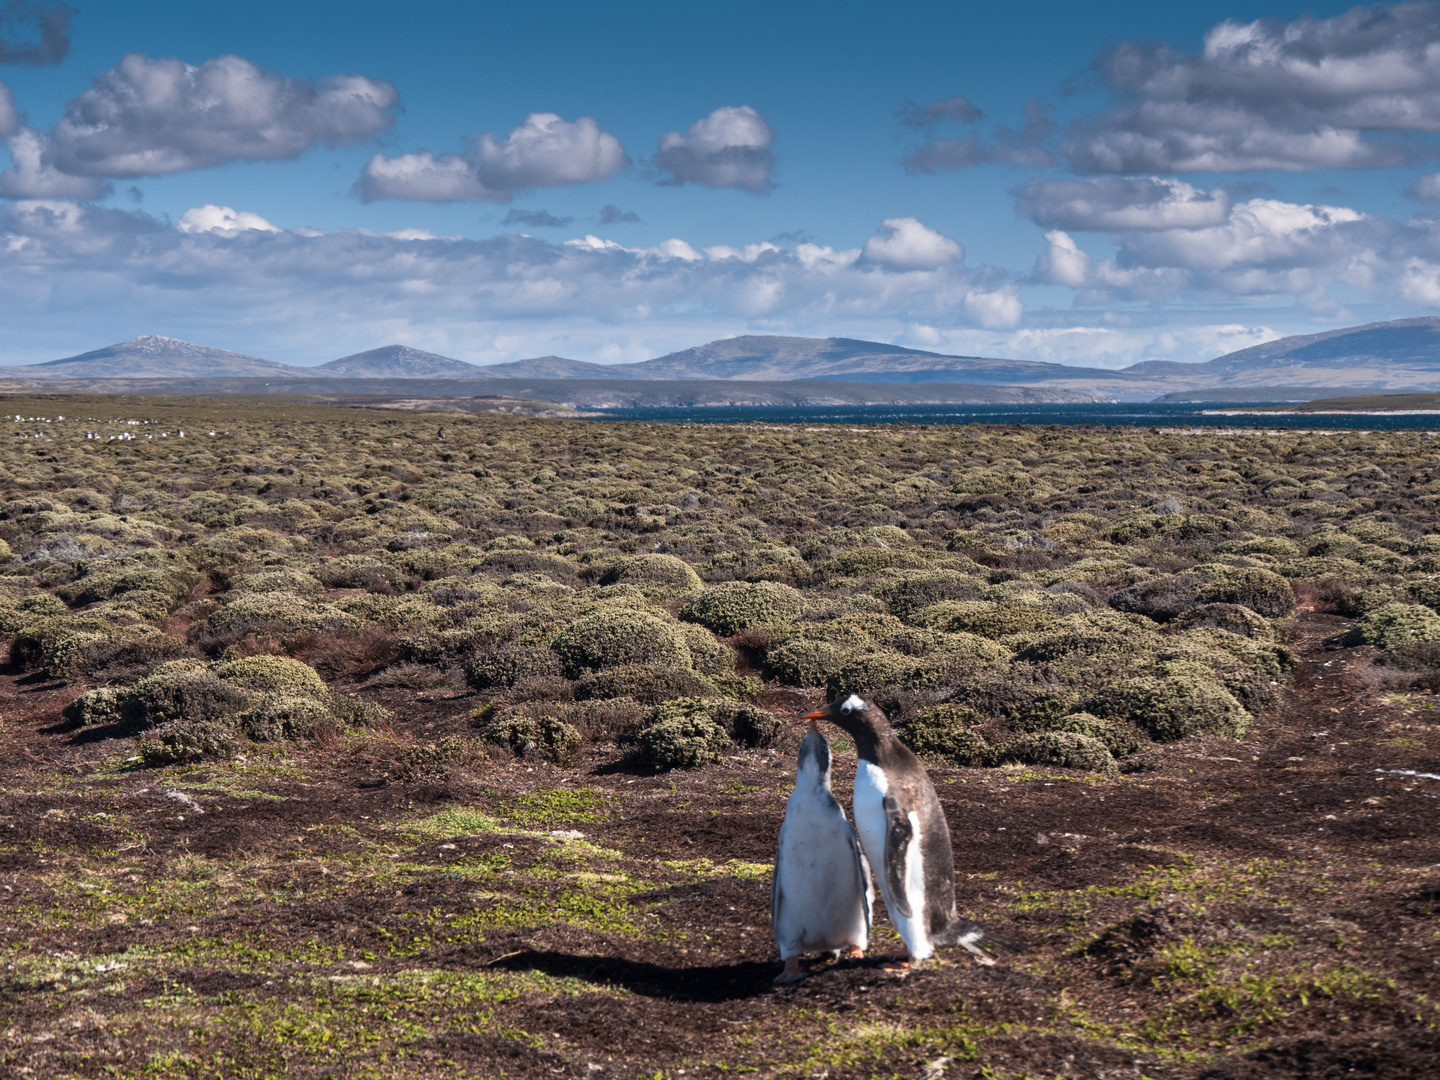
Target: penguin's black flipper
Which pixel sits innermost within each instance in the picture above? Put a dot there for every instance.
(898, 834)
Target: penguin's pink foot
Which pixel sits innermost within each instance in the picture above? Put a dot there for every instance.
(854, 952)
(898, 965)
(792, 973)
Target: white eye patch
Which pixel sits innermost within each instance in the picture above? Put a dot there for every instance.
(852, 703)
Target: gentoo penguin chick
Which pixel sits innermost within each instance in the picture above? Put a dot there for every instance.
(903, 832)
(821, 896)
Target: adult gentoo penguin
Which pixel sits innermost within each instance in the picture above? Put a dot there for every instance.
(903, 832)
(821, 895)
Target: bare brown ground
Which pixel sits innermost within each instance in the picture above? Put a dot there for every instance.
(1261, 909)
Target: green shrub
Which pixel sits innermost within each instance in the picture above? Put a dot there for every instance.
(1392, 625)
(663, 575)
(353, 714)
(734, 606)
(984, 619)
(945, 734)
(276, 717)
(281, 615)
(537, 731)
(683, 735)
(107, 580)
(95, 707)
(865, 562)
(124, 653)
(181, 690)
(502, 666)
(288, 581)
(747, 724)
(1262, 591)
(805, 663)
(911, 590)
(1120, 737)
(617, 638)
(179, 741)
(275, 674)
(360, 572)
(1232, 618)
(645, 684)
(1173, 707)
(707, 655)
(427, 759)
(1161, 599)
(1061, 749)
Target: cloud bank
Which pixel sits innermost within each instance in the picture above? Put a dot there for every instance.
(544, 151)
(149, 117)
(730, 148)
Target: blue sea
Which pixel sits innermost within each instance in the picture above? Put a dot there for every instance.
(1137, 414)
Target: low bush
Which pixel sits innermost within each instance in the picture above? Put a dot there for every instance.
(181, 690)
(805, 663)
(273, 674)
(1392, 625)
(94, 707)
(1172, 707)
(276, 717)
(663, 575)
(296, 582)
(1061, 749)
(537, 731)
(618, 638)
(727, 609)
(707, 655)
(178, 741)
(683, 735)
(1161, 599)
(502, 666)
(945, 735)
(280, 615)
(1262, 591)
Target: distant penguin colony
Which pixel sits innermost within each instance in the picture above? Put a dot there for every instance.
(903, 833)
(821, 895)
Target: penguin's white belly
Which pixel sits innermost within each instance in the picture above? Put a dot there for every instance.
(871, 787)
(820, 904)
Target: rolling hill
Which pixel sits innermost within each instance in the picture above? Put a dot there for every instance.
(397, 361)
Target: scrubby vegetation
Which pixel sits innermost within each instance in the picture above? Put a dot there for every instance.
(339, 745)
(1133, 577)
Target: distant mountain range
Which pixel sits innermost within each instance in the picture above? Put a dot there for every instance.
(1398, 356)
(394, 362)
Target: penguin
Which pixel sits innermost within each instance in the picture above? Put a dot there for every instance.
(903, 832)
(821, 895)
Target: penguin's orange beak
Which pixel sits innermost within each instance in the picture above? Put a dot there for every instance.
(813, 728)
(818, 714)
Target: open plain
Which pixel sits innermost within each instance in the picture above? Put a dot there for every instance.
(352, 743)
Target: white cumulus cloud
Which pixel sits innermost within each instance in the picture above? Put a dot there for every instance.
(222, 219)
(907, 244)
(730, 148)
(544, 151)
(148, 117)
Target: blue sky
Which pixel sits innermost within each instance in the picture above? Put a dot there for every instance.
(1093, 184)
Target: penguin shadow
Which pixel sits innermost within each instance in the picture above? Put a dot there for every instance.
(711, 985)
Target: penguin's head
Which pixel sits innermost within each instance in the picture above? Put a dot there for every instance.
(814, 756)
(853, 714)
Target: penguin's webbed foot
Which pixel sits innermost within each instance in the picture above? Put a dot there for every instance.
(792, 973)
(853, 952)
